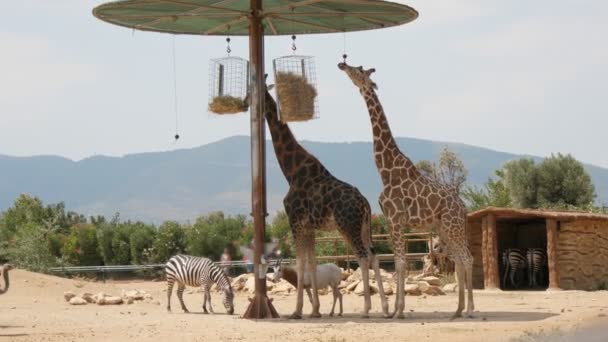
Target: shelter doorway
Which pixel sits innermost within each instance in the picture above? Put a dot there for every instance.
(516, 238)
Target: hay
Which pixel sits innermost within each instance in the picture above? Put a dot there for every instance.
(296, 97)
(228, 105)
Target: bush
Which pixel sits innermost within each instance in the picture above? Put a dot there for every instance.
(80, 247)
(141, 242)
(281, 230)
(31, 250)
(212, 233)
(170, 240)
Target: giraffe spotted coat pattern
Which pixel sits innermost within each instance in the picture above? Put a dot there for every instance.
(317, 200)
(409, 199)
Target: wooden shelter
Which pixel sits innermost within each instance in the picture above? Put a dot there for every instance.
(576, 245)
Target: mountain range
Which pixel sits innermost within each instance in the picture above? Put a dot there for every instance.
(183, 184)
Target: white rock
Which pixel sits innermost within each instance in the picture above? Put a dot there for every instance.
(88, 297)
(388, 289)
(434, 291)
(250, 285)
(99, 296)
(423, 286)
(282, 287)
(238, 283)
(77, 301)
(432, 280)
(412, 289)
(351, 287)
(110, 300)
(453, 287)
(359, 289)
(68, 295)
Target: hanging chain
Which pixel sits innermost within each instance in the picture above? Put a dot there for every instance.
(293, 45)
(175, 90)
(228, 49)
(344, 55)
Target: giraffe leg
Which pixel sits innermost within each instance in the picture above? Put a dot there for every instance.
(364, 264)
(469, 280)
(400, 267)
(376, 266)
(169, 291)
(300, 263)
(312, 272)
(460, 275)
(180, 295)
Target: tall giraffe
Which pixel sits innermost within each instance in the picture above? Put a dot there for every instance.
(317, 200)
(410, 199)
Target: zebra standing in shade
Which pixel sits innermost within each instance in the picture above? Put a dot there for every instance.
(537, 261)
(197, 271)
(513, 260)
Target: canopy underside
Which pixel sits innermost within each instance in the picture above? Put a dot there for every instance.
(230, 17)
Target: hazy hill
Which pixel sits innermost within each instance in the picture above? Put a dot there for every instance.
(183, 184)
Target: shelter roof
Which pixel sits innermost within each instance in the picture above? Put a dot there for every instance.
(513, 213)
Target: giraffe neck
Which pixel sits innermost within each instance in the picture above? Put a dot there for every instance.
(292, 157)
(386, 151)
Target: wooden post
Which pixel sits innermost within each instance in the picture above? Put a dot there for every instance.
(552, 253)
(260, 306)
(492, 251)
(484, 248)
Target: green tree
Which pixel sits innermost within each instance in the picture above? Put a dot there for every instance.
(31, 249)
(212, 233)
(521, 180)
(26, 210)
(81, 247)
(170, 240)
(563, 181)
(493, 194)
(121, 247)
(141, 242)
(281, 230)
(450, 170)
(105, 233)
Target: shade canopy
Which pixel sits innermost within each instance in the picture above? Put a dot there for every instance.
(230, 17)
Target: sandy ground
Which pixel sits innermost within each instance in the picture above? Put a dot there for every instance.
(34, 310)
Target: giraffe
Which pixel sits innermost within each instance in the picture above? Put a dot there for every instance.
(410, 199)
(317, 200)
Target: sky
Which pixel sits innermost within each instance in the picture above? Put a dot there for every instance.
(517, 76)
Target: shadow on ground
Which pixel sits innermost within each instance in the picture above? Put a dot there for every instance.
(422, 317)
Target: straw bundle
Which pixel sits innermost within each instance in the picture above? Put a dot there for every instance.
(228, 105)
(296, 97)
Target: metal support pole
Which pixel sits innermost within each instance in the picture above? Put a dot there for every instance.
(260, 306)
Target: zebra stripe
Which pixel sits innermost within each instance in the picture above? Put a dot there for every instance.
(186, 270)
(513, 260)
(537, 261)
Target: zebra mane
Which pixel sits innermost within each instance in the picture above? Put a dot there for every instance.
(219, 277)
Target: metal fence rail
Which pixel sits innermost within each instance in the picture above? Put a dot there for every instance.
(348, 258)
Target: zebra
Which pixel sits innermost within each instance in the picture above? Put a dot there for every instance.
(513, 260)
(197, 271)
(537, 261)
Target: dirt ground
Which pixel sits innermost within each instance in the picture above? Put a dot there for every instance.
(34, 310)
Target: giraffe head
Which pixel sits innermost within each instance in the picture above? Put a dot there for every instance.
(359, 76)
